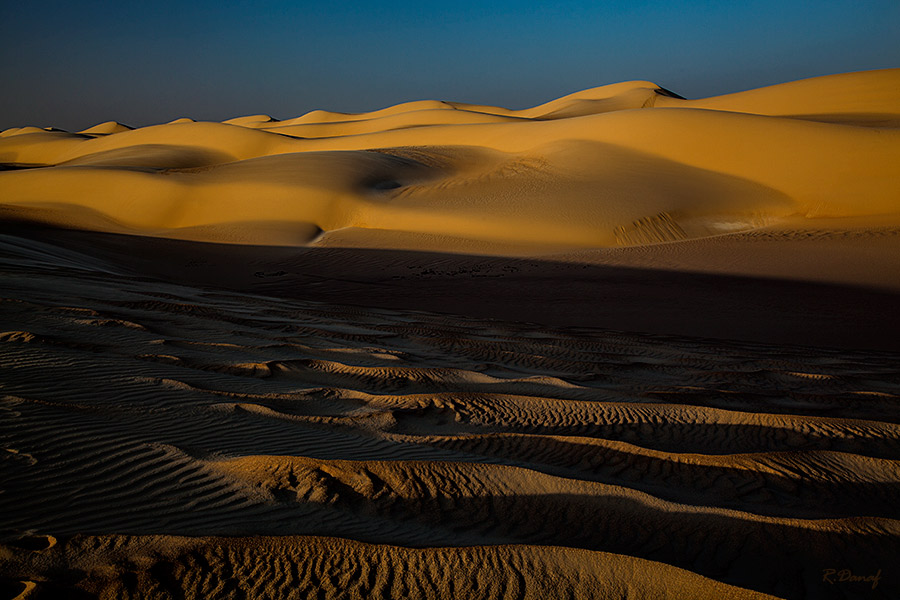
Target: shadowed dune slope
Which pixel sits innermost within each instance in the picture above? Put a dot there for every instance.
(811, 283)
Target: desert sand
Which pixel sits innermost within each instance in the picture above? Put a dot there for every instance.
(621, 344)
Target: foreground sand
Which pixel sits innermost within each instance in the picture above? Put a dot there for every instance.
(505, 459)
(620, 345)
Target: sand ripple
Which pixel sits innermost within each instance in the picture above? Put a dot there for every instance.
(504, 458)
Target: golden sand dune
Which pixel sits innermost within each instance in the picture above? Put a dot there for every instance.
(107, 128)
(302, 567)
(623, 164)
(622, 344)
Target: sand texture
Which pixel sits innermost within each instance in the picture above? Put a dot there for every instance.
(620, 345)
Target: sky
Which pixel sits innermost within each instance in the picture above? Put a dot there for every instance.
(74, 64)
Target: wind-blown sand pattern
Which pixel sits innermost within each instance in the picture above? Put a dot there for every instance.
(618, 345)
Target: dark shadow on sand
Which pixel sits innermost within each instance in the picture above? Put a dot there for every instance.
(558, 294)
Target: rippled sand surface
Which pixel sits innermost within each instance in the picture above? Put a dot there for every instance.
(489, 457)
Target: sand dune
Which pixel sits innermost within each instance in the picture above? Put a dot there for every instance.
(570, 172)
(621, 344)
(314, 567)
(869, 98)
(107, 128)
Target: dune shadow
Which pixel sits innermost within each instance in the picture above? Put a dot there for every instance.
(533, 290)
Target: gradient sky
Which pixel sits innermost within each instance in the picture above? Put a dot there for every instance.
(74, 64)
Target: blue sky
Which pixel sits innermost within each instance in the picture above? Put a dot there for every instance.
(74, 64)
